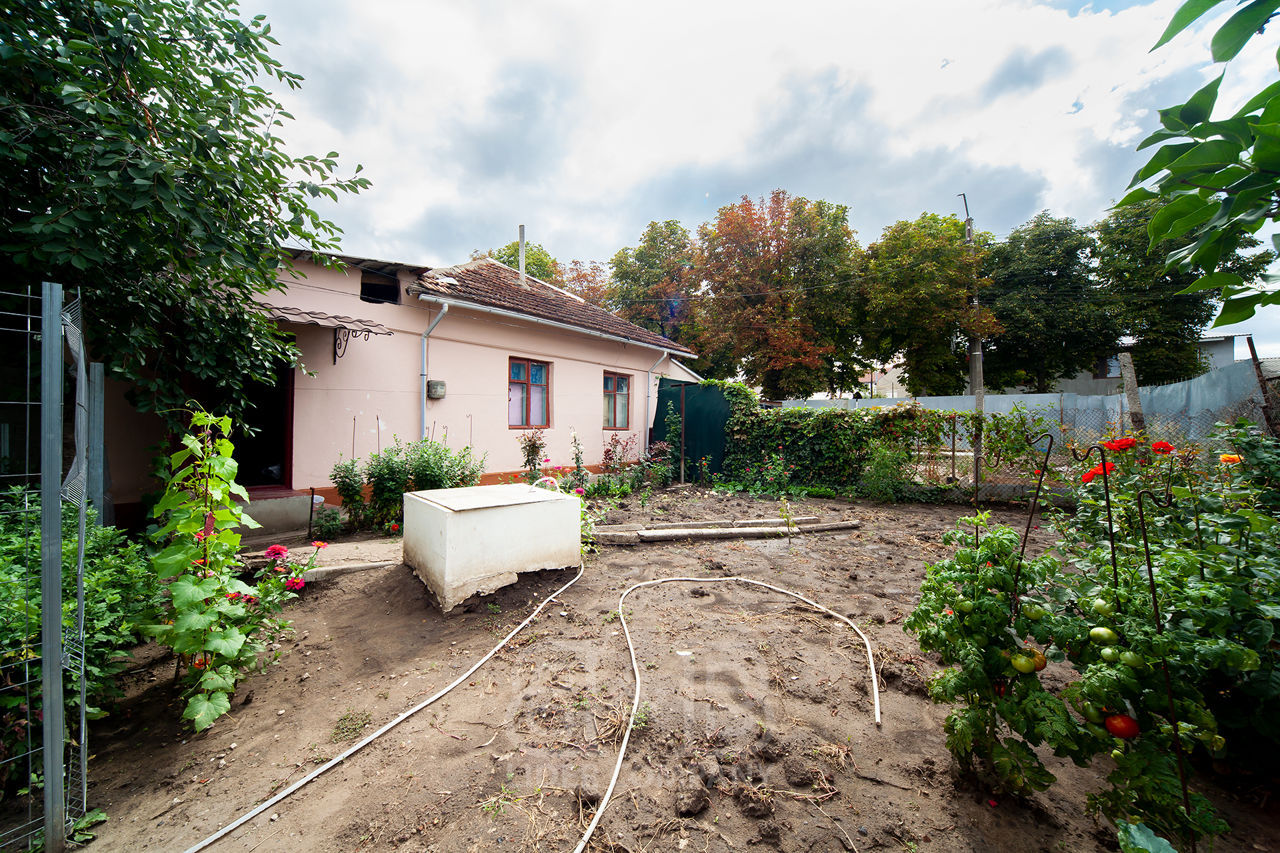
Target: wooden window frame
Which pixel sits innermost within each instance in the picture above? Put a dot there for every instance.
(528, 384)
(614, 394)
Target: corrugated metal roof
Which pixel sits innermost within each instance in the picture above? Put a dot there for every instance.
(328, 321)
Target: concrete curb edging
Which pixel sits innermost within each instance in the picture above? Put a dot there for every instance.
(696, 534)
(320, 573)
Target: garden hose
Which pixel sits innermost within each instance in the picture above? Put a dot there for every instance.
(635, 703)
(635, 670)
(334, 762)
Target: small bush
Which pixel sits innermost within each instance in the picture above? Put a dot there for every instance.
(882, 478)
(349, 481)
(327, 524)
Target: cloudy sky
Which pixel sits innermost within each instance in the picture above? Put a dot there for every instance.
(587, 120)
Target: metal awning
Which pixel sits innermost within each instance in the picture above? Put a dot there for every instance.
(343, 327)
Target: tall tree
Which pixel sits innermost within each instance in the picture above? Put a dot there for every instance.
(588, 279)
(779, 303)
(653, 281)
(1146, 296)
(141, 164)
(538, 262)
(916, 294)
(1044, 296)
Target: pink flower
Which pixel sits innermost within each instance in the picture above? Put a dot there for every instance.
(277, 552)
(579, 491)
(548, 459)
(294, 583)
(319, 544)
(233, 595)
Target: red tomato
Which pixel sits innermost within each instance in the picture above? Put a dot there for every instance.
(1122, 725)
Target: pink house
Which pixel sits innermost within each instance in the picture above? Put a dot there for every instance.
(468, 355)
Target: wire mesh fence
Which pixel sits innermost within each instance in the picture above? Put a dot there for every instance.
(1008, 475)
(41, 738)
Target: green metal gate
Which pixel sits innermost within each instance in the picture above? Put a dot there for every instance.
(704, 412)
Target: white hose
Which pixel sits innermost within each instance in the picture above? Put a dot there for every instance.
(635, 669)
(635, 703)
(333, 762)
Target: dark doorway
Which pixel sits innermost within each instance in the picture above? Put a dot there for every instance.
(266, 456)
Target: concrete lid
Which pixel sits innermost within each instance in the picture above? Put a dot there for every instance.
(486, 497)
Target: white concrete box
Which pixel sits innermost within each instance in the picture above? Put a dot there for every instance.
(460, 542)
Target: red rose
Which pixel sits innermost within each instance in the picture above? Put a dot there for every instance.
(1118, 444)
(1096, 470)
(1162, 447)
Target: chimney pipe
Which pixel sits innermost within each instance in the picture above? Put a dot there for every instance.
(522, 255)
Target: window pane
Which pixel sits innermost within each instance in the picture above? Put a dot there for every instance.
(538, 405)
(608, 410)
(537, 373)
(515, 404)
(517, 370)
(608, 382)
(622, 411)
(622, 384)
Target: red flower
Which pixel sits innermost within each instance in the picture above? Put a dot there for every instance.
(277, 552)
(199, 663)
(395, 528)
(294, 583)
(233, 595)
(1095, 471)
(1117, 444)
(1162, 447)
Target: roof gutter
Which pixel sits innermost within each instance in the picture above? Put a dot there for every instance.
(444, 309)
(515, 315)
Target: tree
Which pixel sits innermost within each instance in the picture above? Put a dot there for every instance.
(538, 262)
(1222, 183)
(779, 303)
(141, 165)
(652, 283)
(916, 294)
(1043, 295)
(1147, 298)
(590, 280)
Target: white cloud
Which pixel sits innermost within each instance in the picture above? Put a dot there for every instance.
(586, 120)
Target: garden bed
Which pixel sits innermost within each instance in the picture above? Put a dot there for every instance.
(757, 727)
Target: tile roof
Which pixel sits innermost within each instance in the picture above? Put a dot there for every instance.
(485, 281)
(328, 321)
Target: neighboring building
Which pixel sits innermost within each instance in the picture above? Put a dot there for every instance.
(1218, 350)
(468, 355)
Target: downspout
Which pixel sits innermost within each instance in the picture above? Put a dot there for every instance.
(444, 309)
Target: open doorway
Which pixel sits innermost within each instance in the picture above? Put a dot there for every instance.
(266, 456)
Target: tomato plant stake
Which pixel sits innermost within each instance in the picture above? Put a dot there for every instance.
(1015, 600)
(1164, 661)
(1111, 526)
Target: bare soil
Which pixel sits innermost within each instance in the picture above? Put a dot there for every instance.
(758, 728)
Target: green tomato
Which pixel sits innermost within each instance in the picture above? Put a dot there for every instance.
(1034, 612)
(964, 605)
(1091, 713)
(1219, 742)
(1103, 636)
(1097, 730)
(1133, 660)
(1110, 654)
(1117, 754)
(1103, 607)
(1024, 664)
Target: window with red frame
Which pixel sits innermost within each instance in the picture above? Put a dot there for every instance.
(528, 390)
(617, 401)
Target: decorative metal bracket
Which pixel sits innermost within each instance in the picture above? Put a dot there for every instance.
(342, 337)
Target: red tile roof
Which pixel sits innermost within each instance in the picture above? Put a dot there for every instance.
(485, 281)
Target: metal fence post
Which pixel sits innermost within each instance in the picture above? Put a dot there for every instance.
(97, 443)
(55, 805)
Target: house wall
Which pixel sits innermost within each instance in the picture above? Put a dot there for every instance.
(373, 394)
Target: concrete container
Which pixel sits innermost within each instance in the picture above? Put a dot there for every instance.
(460, 542)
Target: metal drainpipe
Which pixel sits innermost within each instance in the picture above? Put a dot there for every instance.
(444, 309)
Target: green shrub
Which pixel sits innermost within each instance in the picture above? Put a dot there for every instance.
(120, 593)
(387, 473)
(327, 525)
(883, 478)
(349, 481)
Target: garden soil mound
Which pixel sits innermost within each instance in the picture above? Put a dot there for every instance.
(757, 728)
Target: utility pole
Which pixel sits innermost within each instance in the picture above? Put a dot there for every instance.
(975, 357)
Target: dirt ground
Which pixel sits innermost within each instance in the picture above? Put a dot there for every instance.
(757, 712)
